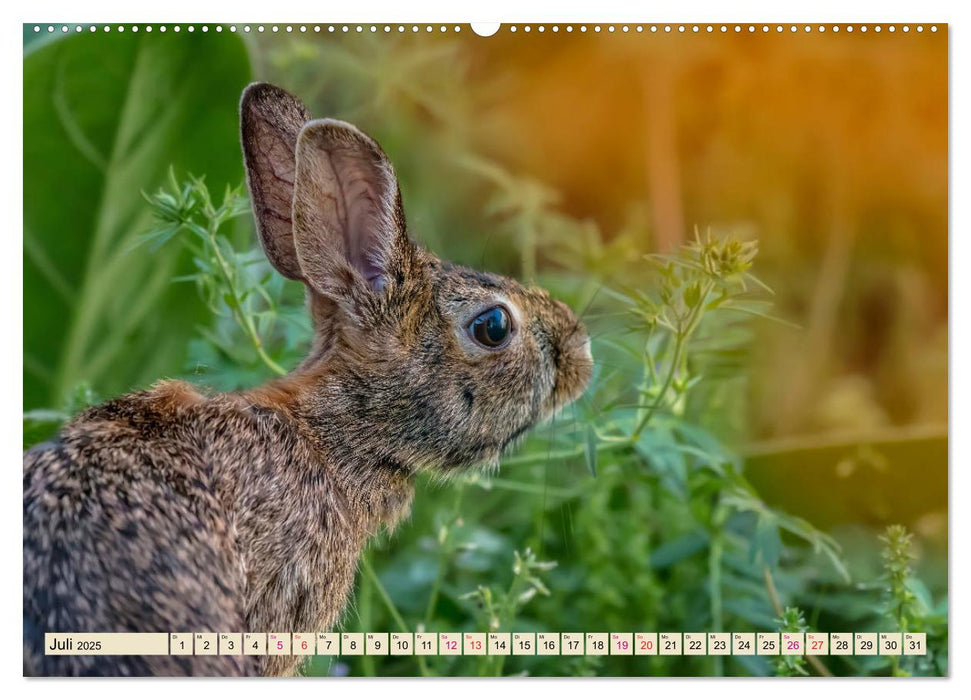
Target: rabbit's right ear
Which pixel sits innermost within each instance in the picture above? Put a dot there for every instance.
(270, 120)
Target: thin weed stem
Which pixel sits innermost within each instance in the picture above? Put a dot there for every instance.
(372, 577)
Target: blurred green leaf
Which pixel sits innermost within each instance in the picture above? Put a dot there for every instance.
(679, 548)
(767, 544)
(108, 115)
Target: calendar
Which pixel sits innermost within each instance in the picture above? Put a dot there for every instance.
(488, 644)
(547, 348)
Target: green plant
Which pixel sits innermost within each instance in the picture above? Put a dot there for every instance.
(897, 559)
(791, 620)
(905, 597)
(236, 286)
(498, 609)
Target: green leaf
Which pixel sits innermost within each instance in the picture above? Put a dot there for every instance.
(921, 593)
(678, 549)
(106, 116)
(767, 545)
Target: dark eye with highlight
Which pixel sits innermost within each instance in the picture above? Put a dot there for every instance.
(491, 328)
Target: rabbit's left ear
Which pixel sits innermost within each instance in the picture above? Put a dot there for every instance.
(271, 119)
(348, 224)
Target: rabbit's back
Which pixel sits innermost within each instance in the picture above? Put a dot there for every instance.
(124, 532)
(167, 511)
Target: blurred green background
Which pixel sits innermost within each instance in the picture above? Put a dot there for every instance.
(789, 436)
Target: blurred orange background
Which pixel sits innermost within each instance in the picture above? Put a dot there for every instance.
(831, 149)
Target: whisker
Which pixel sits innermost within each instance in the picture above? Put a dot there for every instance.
(546, 483)
(586, 307)
(485, 247)
(605, 364)
(588, 404)
(632, 405)
(618, 333)
(606, 314)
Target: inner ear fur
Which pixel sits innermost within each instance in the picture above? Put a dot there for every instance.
(348, 223)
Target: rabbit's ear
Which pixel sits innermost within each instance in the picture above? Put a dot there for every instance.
(348, 224)
(271, 119)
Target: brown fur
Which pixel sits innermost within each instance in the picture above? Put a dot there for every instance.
(167, 510)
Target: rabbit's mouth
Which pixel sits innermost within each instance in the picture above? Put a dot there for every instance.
(489, 454)
(574, 370)
(518, 433)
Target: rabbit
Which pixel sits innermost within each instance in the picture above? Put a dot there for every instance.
(178, 510)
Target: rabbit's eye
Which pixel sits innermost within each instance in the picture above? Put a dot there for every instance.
(491, 328)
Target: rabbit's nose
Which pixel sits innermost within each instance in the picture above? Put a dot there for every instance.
(578, 345)
(574, 335)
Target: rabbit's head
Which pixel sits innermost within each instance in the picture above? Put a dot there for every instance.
(428, 363)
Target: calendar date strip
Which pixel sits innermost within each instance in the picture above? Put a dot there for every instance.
(487, 644)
